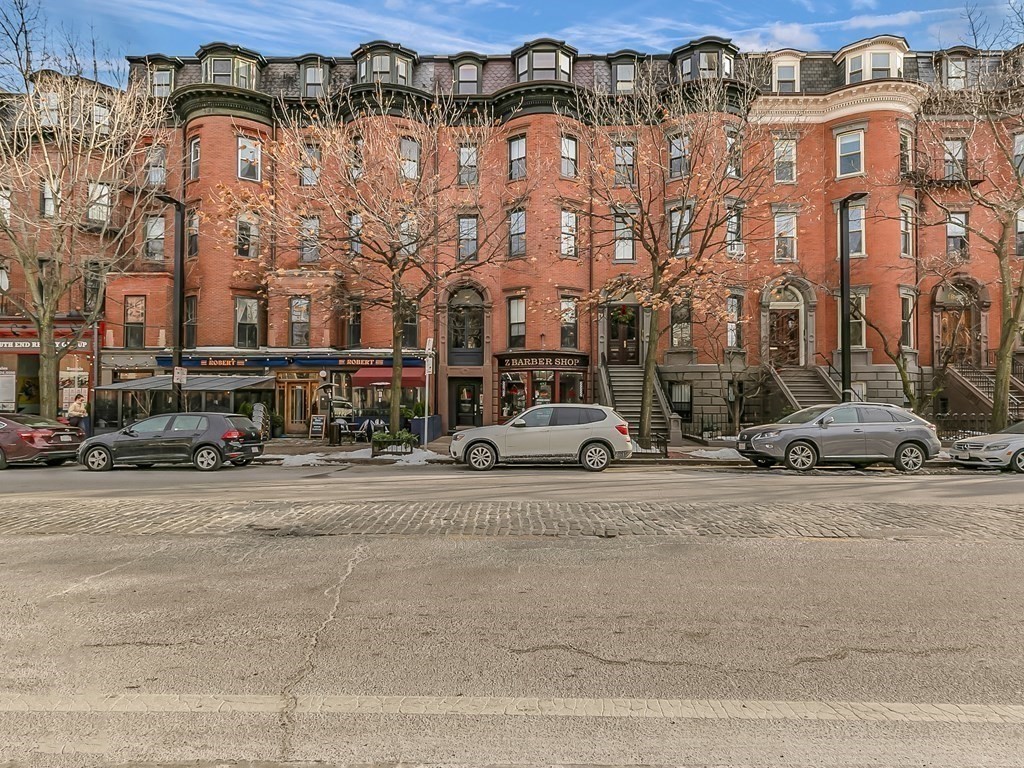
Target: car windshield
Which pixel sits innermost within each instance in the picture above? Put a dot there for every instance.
(1013, 429)
(806, 416)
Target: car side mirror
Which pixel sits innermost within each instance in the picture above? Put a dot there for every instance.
(128, 431)
(827, 420)
(519, 423)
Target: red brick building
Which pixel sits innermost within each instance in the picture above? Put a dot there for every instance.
(519, 332)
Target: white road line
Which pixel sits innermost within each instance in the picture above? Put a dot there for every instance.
(473, 706)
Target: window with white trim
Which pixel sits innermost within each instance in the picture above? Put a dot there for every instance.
(517, 323)
(410, 153)
(247, 236)
(855, 69)
(468, 237)
(101, 118)
(850, 153)
(247, 323)
(906, 231)
(858, 324)
(469, 174)
(567, 243)
(625, 246)
(355, 232)
(516, 234)
(681, 320)
(193, 159)
(309, 239)
(309, 174)
(906, 151)
(47, 200)
(467, 79)
(734, 321)
(153, 229)
(101, 203)
(249, 151)
(881, 65)
(678, 156)
(857, 214)
(625, 163)
(956, 74)
(298, 321)
(313, 76)
(733, 155)
(569, 336)
(954, 159)
(908, 303)
(49, 109)
(734, 231)
(786, 77)
(134, 322)
(517, 158)
(192, 233)
(785, 237)
(785, 160)
(570, 157)
(679, 222)
(957, 245)
(156, 166)
(5, 205)
(408, 236)
(625, 76)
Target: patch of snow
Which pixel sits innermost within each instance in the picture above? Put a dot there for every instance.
(419, 456)
(944, 455)
(722, 454)
(299, 460)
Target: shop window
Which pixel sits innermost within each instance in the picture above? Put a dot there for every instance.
(514, 390)
(543, 387)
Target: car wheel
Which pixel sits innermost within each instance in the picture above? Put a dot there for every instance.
(242, 462)
(764, 463)
(207, 459)
(1016, 463)
(595, 457)
(56, 462)
(3, 459)
(480, 457)
(801, 456)
(98, 460)
(909, 457)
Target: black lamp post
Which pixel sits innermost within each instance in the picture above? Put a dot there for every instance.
(844, 289)
(178, 336)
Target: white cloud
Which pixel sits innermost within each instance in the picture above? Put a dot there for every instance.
(894, 21)
(864, 5)
(779, 35)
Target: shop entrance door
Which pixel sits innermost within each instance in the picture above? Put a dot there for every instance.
(464, 400)
(622, 335)
(297, 402)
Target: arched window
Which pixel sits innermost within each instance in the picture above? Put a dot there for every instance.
(468, 80)
(466, 328)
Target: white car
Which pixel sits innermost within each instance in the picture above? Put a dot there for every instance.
(1003, 449)
(591, 435)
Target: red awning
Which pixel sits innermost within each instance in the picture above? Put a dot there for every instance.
(368, 377)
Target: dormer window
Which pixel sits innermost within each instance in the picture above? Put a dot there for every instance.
(856, 70)
(956, 74)
(230, 70)
(314, 75)
(686, 68)
(625, 76)
(161, 82)
(708, 64)
(386, 66)
(881, 66)
(467, 79)
(544, 65)
(786, 78)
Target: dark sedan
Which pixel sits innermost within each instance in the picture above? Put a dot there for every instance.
(204, 440)
(28, 439)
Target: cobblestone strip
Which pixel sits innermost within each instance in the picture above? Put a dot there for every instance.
(473, 706)
(834, 520)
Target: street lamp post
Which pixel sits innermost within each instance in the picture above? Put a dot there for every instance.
(844, 290)
(178, 337)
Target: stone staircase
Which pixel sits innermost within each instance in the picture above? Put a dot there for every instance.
(983, 384)
(627, 388)
(807, 386)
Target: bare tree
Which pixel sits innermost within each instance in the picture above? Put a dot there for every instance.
(72, 165)
(678, 169)
(389, 195)
(969, 168)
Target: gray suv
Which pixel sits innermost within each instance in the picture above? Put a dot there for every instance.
(848, 433)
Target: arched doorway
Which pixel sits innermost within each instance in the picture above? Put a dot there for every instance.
(958, 311)
(786, 326)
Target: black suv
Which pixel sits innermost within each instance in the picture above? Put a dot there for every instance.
(205, 440)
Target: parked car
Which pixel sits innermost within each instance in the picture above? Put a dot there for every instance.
(591, 435)
(205, 440)
(849, 433)
(29, 439)
(1003, 449)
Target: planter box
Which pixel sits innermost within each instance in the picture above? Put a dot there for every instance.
(391, 446)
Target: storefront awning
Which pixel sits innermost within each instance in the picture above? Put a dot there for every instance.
(381, 376)
(194, 383)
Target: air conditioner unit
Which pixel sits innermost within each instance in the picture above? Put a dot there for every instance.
(736, 249)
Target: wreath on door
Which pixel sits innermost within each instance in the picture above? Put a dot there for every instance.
(623, 314)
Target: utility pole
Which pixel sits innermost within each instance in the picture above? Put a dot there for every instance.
(178, 336)
(844, 291)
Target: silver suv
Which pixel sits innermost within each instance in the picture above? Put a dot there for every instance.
(591, 435)
(848, 433)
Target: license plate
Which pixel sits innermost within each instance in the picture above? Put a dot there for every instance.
(254, 449)
(962, 456)
(66, 438)
(744, 446)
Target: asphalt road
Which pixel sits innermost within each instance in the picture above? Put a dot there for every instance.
(713, 624)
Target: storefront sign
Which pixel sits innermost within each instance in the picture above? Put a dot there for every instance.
(317, 424)
(358, 362)
(541, 361)
(32, 345)
(8, 389)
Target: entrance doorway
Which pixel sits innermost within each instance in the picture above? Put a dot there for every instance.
(297, 400)
(785, 327)
(622, 325)
(959, 319)
(465, 397)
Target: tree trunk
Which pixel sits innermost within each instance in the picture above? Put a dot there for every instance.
(1001, 394)
(397, 322)
(650, 374)
(49, 362)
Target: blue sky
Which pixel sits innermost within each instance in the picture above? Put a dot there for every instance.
(289, 27)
